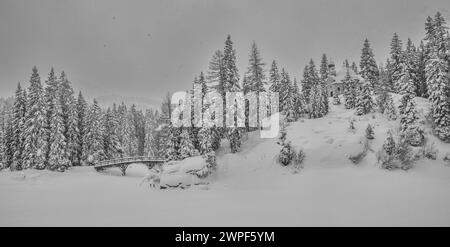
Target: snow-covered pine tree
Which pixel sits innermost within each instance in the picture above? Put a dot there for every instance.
(2, 141)
(9, 143)
(255, 77)
(82, 112)
(58, 157)
(150, 133)
(409, 124)
(437, 77)
(186, 147)
(364, 101)
(172, 145)
(389, 108)
(389, 144)
(94, 144)
(34, 132)
(354, 67)
(396, 60)
(206, 140)
(274, 77)
(421, 87)
(284, 92)
(369, 132)
(112, 146)
(231, 75)
(235, 136)
(18, 126)
(216, 72)
(324, 67)
(369, 70)
(51, 93)
(411, 62)
(306, 83)
(68, 111)
(349, 91)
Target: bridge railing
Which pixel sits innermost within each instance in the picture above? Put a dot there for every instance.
(128, 159)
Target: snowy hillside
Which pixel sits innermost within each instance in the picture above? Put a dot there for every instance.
(249, 188)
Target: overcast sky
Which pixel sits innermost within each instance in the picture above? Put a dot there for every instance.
(146, 48)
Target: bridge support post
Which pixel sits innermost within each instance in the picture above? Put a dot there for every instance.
(123, 168)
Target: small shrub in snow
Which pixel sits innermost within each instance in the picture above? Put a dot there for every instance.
(369, 132)
(393, 156)
(429, 151)
(286, 154)
(298, 159)
(447, 158)
(389, 144)
(351, 126)
(404, 154)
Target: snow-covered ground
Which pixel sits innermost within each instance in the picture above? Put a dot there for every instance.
(249, 188)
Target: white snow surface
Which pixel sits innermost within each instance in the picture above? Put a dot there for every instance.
(249, 188)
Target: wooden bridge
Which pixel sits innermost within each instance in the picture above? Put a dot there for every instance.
(123, 163)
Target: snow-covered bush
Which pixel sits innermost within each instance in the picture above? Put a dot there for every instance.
(447, 158)
(429, 151)
(369, 132)
(396, 156)
(286, 154)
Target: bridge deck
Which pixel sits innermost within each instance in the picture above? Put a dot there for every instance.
(126, 161)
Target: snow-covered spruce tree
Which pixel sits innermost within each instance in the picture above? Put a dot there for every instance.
(112, 146)
(389, 108)
(349, 91)
(150, 133)
(421, 87)
(186, 147)
(396, 60)
(369, 70)
(411, 62)
(58, 157)
(364, 101)
(216, 139)
(172, 145)
(324, 67)
(34, 133)
(9, 144)
(94, 144)
(206, 140)
(231, 75)
(354, 67)
(284, 92)
(235, 136)
(389, 144)
(2, 142)
(68, 111)
(51, 93)
(82, 113)
(255, 77)
(437, 78)
(18, 126)
(409, 123)
(306, 83)
(274, 77)
(286, 154)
